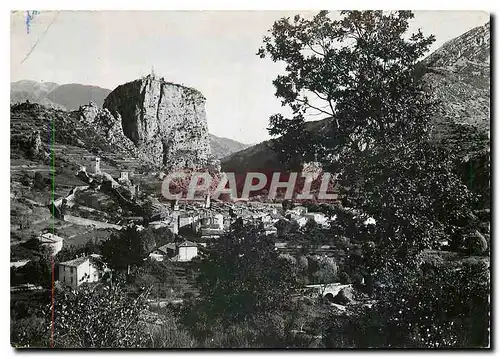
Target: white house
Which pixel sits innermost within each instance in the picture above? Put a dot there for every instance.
(302, 220)
(96, 165)
(212, 226)
(319, 218)
(123, 176)
(270, 230)
(181, 252)
(162, 252)
(215, 221)
(299, 210)
(53, 242)
(77, 271)
(186, 251)
(185, 219)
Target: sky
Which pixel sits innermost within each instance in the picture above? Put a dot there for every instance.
(212, 51)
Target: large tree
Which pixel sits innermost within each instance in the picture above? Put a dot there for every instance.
(361, 72)
(241, 279)
(129, 248)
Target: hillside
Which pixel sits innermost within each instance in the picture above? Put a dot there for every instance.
(34, 92)
(459, 74)
(73, 95)
(222, 147)
(33, 182)
(262, 156)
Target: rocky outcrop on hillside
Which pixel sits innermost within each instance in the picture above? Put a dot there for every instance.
(72, 96)
(166, 122)
(104, 123)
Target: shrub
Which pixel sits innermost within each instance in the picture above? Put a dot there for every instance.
(344, 278)
(39, 182)
(29, 332)
(357, 281)
(477, 244)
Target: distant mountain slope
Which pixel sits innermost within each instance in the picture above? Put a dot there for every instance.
(73, 95)
(36, 89)
(262, 156)
(35, 92)
(222, 147)
(252, 158)
(459, 72)
(50, 94)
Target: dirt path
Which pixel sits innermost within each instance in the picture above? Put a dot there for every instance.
(87, 222)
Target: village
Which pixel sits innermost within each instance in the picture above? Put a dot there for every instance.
(195, 225)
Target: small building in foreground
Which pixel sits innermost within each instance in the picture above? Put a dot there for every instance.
(187, 250)
(77, 271)
(179, 252)
(53, 242)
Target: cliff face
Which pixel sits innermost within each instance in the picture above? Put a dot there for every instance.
(459, 73)
(166, 122)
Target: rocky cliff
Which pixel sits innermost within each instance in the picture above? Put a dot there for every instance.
(106, 125)
(72, 96)
(459, 74)
(166, 121)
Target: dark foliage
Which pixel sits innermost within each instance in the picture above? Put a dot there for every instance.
(241, 279)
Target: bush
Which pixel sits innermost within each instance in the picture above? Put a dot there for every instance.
(327, 271)
(29, 332)
(344, 278)
(357, 281)
(477, 244)
(99, 317)
(169, 334)
(39, 182)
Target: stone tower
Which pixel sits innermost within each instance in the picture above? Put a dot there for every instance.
(97, 165)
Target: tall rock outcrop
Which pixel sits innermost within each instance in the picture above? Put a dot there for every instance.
(166, 122)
